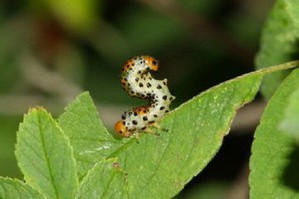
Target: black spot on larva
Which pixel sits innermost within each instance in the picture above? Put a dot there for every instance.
(159, 86)
(134, 122)
(144, 118)
(162, 107)
(123, 117)
(155, 115)
(151, 122)
(143, 128)
(135, 114)
(140, 85)
(139, 72)
(148, 85)
(164, 97)
(132, 92)
(124, 123)
(130, 113)
(171, 98)
(137, 79)
(147, 68)
(120, 132)
(154, 62)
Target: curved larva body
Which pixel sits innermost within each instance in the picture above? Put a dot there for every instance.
(138, 82)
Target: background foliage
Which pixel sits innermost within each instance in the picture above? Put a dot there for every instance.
(50, 52)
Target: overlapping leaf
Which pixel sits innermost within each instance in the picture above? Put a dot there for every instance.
(279, 42)
(14, 189)
(90, 139)
(274, 161)
(50, 155)
(160, 166)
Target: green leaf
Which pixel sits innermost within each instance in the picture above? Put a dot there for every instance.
(274, 162)
(279, 42)
(89, 138)
(196, 131)
(160, 166)
(45, 157)
(15, 189)
(290, 123)
(111, 185)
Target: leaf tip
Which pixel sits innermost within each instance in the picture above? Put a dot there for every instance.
(35, 109)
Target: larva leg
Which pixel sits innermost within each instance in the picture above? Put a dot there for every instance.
(137, 136)
(158, 127)
(154, 128)
(153, 131)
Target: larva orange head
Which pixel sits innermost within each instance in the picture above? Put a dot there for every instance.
(152, 63)
(121, 130)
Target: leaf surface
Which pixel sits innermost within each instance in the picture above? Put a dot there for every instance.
(89, 138)
(14, 189)
(160, 166)
(45, 156)
(274, 162)
(290, 123)
(111, 185)
(279, 42)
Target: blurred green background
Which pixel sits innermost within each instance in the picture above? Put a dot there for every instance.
(50, 51)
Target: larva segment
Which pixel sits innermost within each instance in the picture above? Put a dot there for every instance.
(137, 81)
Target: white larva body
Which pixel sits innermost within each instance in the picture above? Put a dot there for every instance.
(138, 82)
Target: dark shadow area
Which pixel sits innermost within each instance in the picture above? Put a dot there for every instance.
(290, 177)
